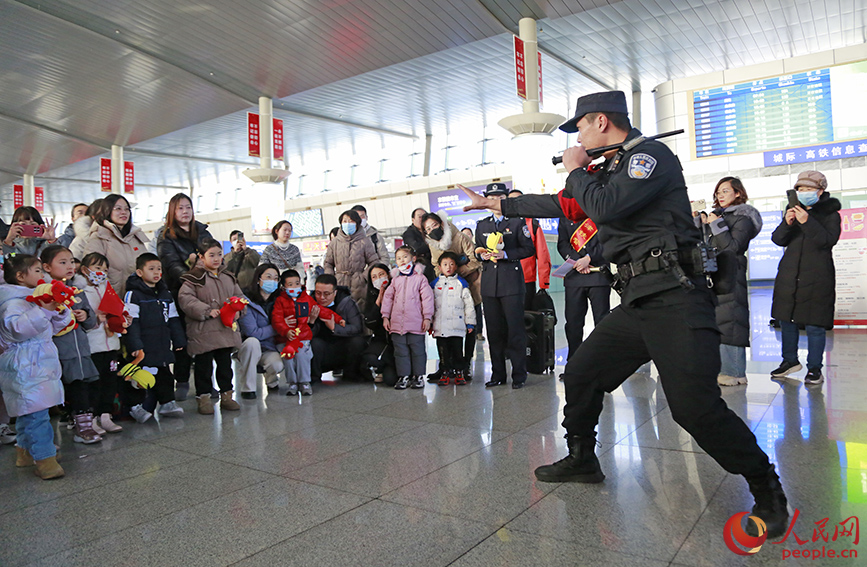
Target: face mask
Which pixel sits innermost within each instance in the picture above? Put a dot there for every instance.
(406, 269)
(269, 286)
(436, 233)
(96, 278)
(377, 283)
(808, 198)
(364, 224)
(348, 228)
(330, 304)
(293, 292)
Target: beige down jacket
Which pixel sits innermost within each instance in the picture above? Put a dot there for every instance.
(121, 251)
(200, 292)
(456, 241)
(348, 258)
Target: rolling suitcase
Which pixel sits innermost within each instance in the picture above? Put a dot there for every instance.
(540, 341)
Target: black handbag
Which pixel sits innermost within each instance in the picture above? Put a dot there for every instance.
(542, 302)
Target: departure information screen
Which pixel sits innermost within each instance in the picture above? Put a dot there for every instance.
(801, 109)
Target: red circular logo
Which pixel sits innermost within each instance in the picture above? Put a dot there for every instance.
(735, 536)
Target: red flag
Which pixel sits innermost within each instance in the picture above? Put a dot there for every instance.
(112, 305)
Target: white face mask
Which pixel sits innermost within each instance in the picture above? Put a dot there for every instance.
(96, 278)
(377, 283)
(364, 224)
(406, 269)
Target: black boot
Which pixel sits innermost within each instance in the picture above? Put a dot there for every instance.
(771, 504)
(581, 465)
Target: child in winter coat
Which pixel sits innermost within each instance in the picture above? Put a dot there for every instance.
(104, 344)
(454, 318)
(294, 302)
(407, 310)
(80, 376)
(204, 290)
(154, 332)
(29, 366)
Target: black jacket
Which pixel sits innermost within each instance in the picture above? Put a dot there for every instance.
(414, 237)
(640, 206)
(506, 276)
(804, 290)
(156, 327)
(732, 232)
(174, 252)
(593, 248)
(346, 307)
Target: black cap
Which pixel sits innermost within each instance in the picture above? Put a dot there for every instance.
(609, 101)
(496, 189)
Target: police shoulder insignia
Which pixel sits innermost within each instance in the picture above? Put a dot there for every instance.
(526, 231)
(641, 166)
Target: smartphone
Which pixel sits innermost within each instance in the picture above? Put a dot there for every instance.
(698, 205)
(792, 195)
(32, 229)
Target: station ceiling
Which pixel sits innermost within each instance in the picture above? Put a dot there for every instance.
(172, 80)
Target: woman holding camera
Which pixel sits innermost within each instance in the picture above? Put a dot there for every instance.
(730, 227)
(28, 233)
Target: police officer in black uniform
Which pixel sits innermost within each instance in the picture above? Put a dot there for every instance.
(503, 290)
(639, 202)
(589, 280)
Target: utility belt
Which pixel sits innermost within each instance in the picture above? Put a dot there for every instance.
(683, 263)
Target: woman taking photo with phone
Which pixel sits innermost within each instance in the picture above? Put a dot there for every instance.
(28, 233)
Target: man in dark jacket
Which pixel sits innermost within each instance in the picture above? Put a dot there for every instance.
(589, 280)
(414, 236)
(336, 347)
(155, 331)
(638, 201)
(68, 235)
(804, 290)
(242, 260)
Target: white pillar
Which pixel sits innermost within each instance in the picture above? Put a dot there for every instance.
(266, 127)
(527, 32)
(636, 109)
(29, 191)
(116, 169)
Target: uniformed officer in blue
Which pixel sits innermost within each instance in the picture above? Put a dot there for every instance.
(639, 202)
(503, 290)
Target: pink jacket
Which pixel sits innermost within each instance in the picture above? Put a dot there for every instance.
(408, 301)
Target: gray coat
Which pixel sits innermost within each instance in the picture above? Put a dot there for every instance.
(733, 231)
(73, 348)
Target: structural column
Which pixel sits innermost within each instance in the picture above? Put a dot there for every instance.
(116, 169)
(29, 190)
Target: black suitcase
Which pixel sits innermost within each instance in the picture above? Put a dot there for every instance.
(540, 341)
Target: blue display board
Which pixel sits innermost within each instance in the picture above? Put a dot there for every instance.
(787, 111)
(763, 256)
(306, 223)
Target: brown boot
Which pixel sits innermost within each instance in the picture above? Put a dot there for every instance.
(47, 469)
(227, 403)
(23, 458)
(205, 405)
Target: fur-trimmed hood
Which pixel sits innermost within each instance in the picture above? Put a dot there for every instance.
(748, 211)
(444, 243)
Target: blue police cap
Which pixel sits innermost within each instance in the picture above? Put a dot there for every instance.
(609, 101)
(496, 189)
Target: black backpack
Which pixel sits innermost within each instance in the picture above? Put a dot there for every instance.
(542, 302)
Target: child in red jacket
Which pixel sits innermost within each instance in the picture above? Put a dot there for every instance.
(289, 318)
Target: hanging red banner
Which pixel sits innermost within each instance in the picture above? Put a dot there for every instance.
(105, 175)
(520, 68)
(253, 134)
(39, 199)
(540, 76)
(128, 177)
(278, 138)
(18, 196)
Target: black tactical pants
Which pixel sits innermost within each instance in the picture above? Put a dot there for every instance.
(677, 330)
(507, 335)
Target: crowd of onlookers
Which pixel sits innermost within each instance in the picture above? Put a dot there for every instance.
(146, 314)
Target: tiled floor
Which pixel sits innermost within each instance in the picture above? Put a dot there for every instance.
(361, 475)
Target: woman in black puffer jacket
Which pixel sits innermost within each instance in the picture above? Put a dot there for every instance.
(804, 291)
(177, 246)
(730, 227)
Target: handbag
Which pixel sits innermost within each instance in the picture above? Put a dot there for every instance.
(542, 302)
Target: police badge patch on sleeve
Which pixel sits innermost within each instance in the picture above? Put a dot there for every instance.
(526, 231)
(641, 166)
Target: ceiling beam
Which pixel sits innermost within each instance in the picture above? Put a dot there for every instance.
(280, 106)
(6, 115)
(134, 150)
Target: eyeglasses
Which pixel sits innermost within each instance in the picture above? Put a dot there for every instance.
(318, 293)
(725, 192)
(121, 209)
